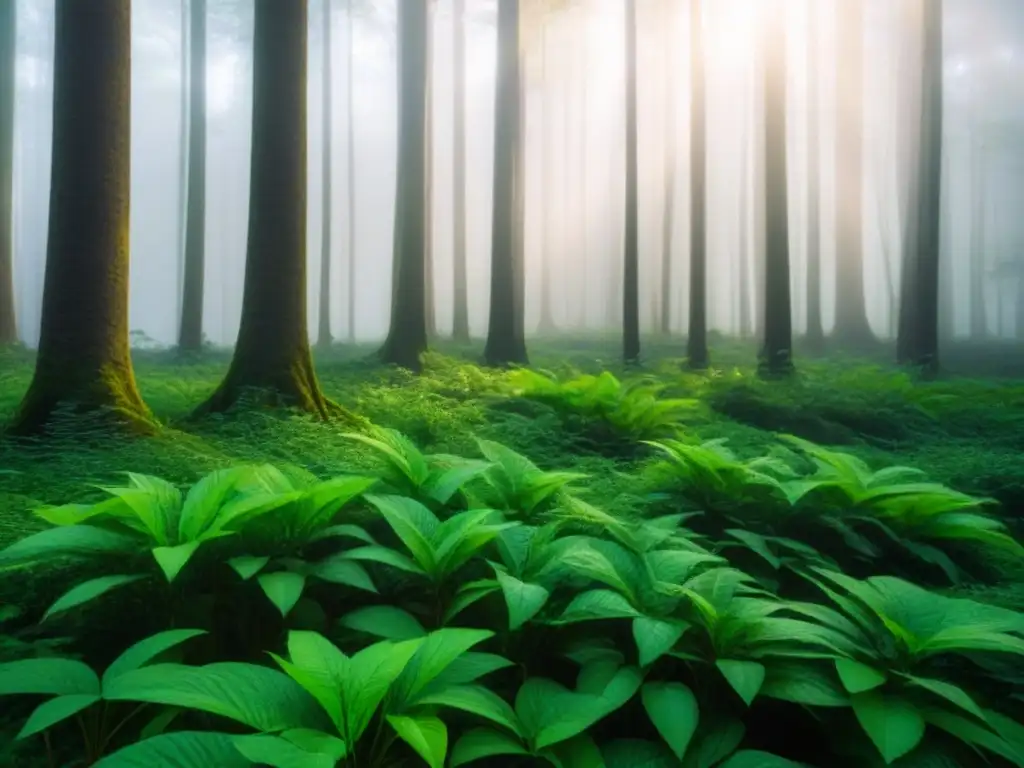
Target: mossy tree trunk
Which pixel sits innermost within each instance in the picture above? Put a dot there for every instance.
(505, 341)
(190, 336)
(407, 337)
(776, 356)
(697, 336)
(460, 329)
(84, 361)
(272, 354)
(631, 256)
(8, 43)
(324, 337)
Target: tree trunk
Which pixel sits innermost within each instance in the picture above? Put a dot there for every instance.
(460, 330)
(190, 336)
(759, 199)
(746, 173)
(669, 180)
(947, 302)
(584, 143)
(183, 127)
(505, 342)
(324, 337)
(350, 140)
(430, 304)
(272, 354)
(979, 209)
(547, 317)
(84, 359)
(776, 354)
(407, 337)
(851, 314)
(815, 336)
(697, 336)
(8, 45)
(631, 261)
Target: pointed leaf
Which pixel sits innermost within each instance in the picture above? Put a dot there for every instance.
(386, 556)
(70, 541)
(654, 637)
(476, 700)
(752, 758)
(146, 650)
(857, 677)
(248, 566)
(894, 725)
(87, 591)
(183, 749)
(673, 709)
(53, 677)
(283, 588)
(481, 743)
(385, 621)
(278, 752)
(437, 651)
(598, 604)
(56, 710)
(523, 600)
(745, 677)
(340, 569)
(172, 559)
(426, 735)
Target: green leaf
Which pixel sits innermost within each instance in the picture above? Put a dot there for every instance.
(857, 677)
(598, 604)
(803, 683)
(480, 743)
(56, 710)
(385, 621)
(183, 749)
(72, 541)
(260, 697)
(752, 758)
(344, 531)
(317, 741)
(745, 677)
(412, 522)
(477, 700)
(339, 569)
(716, 743)
(654, 637)
(206, 499)
(159, 723)
(87, 591)
(283, 588)
(172, 559)
(894, 725)
(248, 566)
(146, 650)
(673, 709)
(386, 556)
(278, 752)
(523, 600)
(445, 484)
(468, 668)
(580, 752)
(53, 677)
(438, 650)
(951, 693)
(637, 753)
(426, 735)
(371, 673)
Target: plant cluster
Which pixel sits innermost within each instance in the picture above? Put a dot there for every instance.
(446, 610)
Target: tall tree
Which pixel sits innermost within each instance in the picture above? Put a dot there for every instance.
(505, 339)
(920, 328)
(407, 337)
(745, 299)
(350, 141)
(815, 327)
(776, 354)
(697, 337)
(851, 313)
(190, 336)
(460, 329)
(84, 360)
(8, 41)
(669, 180)
(631, 260)
(272, 354)
(324, 337)
(547, 315)
(979, 214)
(183, 127)
(430, 302)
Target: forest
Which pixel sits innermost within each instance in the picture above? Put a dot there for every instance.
(362, 359)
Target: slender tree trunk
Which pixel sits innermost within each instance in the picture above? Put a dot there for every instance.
(584, 175)
(272, 354)
(428, 194)
(746, 172)
(8, 45)
(697, 337)
(183, 127)
(547, 317)
(777, 352)
(760, 193)
(947, 289)
(910, 110)
(461, 321)
(84, 359)
(669, 180)
(631, 262)
(505, 342)
(815, 328)
(190, 337)
(324, 337)
(407, 338)
(350, 141)
(979, 211)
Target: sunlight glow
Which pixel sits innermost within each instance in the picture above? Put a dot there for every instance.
(729, 28)
(222, 82)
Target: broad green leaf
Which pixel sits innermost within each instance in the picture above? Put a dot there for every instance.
(339, 569)
(581, 752)
(172, 559)
(637, 753)
(523, 600)
(893, 724)
(716, 743)
(804, 683)
(205, 500)
(481, 743)
(53, 677)
(278, 752)
(598, 604)
(87, 591)
(426, 735)
(56, 710)
(951, 693)
(756, 544)
(673, 709)
(745, 677)
(857, 677)
(146, 650)
(969, 731)
(385, 621)
(477, 700)
(160, 723)
(386, 556)
(71, 541)
(344, 531)
(468, 668)
(654, 637)
(248, 566)
(467, 595)
(183, 749)
(436, 652)
(443, 485)
(260, 697)
(752, 758)
(316, 741)
(283, 588)
(412, 522)
(372, 672)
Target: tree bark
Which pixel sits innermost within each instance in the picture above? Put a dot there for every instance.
(505, 341)
(669, 180)
(745, 323)
(8, 46)
(428, 195)
(272, 355)
(460, 330)
(190, 335)
(777, 353)
(631, 260)
(324, 337)
(979, 211)
(697, 336)
(815, 336)
(351, 146)
(547, 316)
(407, 337)
(84, 360)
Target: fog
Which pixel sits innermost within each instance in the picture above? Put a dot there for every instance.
(575, 165)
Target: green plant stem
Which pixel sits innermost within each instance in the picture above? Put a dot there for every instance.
(124, 721)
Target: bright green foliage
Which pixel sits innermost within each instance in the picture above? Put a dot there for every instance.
(519, 488)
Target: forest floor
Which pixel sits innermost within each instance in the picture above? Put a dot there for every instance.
(964, 432)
